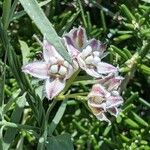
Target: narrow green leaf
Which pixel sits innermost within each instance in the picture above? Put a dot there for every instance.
(6, 13)
(36, 14)
(122, 37)
(57, 117)
(119, 52)
(60, 142)
(144, 69)
(80, 128)
(103, 20)
(139, 119)
(127, 52)
(82, 13)
(22, 13)
(69, 23)
(25, 51)
(107, 130)
(15, 117)
(130, 100)
(127, 13)
(128, 108)
(131, 123)
(144, 102)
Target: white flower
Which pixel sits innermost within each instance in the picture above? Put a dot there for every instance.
(54, 69)
(88, 53)
(104, 97)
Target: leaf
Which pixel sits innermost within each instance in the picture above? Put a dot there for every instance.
(119, 52)
(15, 118)
(147, 1)
(60, 142)
(36, 14)
(127, 13)
(140, 120)
(22, 13)
(144, 69)
(57, 117)
(6, 13)
(25, 51)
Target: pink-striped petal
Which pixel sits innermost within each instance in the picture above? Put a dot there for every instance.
(37, 69)
(54, 87)
(105, 68)
(97, 45)
(81, 39)
(73, 52)
(78, 38)
(111, 82)
(113, 111)
(114, 101)
(99, 90)
(50, 51)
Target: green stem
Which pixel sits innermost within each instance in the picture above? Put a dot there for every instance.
(72, 96)
(69, 82)
(18, 126)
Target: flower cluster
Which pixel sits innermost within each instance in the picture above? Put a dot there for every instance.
(87, 55)
(104, 97)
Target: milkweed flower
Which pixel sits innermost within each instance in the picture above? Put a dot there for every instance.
(105, 98)
(53, 69)
(88, 53)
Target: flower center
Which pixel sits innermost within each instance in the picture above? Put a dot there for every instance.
(92, 59)
(59, 69)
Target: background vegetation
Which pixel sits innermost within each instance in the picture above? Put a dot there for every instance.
(27, 118)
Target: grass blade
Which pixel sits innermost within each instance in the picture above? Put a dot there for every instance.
(36, 14)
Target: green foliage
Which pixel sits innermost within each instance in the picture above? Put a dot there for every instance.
(28, 121)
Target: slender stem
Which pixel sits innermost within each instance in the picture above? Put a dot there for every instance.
(19, 126)
(73, 96)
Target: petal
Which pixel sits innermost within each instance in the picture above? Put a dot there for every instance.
(54, 87)
(97, 46)
(70, 72)
(78, 38)
(86, 51)
(96, 105)
(113, 111)
(81, 40)
(114, 101)
(102, 117)
(111, 82)
(99, 90)
(50, 51)
(81, 62)
(105, 68)
(94, 44)
(114, 83)
(73, 52)
(37, 69)
(93, 73)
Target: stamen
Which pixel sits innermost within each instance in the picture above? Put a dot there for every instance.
(54, 69)
(62, 70)
(89, 59)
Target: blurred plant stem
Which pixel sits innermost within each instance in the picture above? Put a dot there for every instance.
(76, 96)
(133, 63)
